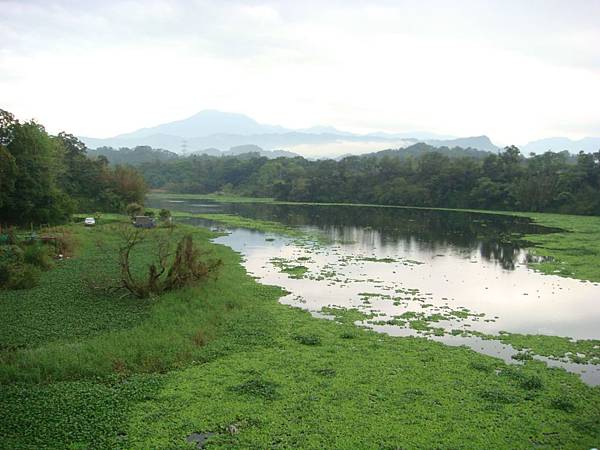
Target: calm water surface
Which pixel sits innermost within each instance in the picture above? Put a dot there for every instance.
(460, 267)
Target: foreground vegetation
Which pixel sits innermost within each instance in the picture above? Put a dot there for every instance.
(82, 367)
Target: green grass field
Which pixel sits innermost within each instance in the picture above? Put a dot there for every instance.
(84, 368)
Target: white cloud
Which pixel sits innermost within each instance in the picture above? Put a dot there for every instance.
(510, 69)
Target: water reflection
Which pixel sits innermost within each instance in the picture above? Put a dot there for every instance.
(468, 269)
(494, 237)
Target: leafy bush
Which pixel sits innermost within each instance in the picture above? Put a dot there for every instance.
(11, 259)
(164, 214)
(21, 265)
(11, 254)
(134, 209)
(24, 277)
(37, 254)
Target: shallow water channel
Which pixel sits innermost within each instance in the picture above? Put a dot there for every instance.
(439, 274)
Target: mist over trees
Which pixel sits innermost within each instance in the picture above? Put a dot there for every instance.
(44, 178)
(450, 178)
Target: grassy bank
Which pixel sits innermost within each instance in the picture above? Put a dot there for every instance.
(226, 358)
(574, 253)
(225, 198)
(266, 226)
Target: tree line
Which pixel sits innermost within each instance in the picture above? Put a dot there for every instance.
(422, 176)
(45, 178)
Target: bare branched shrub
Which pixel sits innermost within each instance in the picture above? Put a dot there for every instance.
(170, 270)
(61, 239)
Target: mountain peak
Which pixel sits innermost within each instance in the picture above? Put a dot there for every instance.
(213, 128)
(206, 123)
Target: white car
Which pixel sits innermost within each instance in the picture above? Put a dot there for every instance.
(89, 222)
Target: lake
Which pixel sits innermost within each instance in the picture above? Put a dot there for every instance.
(445, 275)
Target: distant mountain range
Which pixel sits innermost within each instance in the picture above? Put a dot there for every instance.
(206, 123)
(558, 144)
(221, 133)
(215, 132)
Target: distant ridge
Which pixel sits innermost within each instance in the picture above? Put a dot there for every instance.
(476, 142)
(557, 144)
(219, 131)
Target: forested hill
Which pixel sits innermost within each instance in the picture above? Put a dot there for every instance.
(144, 154)
(420, 148)
(555, 182)
(133, 156)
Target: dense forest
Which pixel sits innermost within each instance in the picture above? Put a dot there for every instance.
(132, 156)
(44, 178)
(418, 176)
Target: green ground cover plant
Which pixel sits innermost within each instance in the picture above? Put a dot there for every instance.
(84, 368)
(573, 253)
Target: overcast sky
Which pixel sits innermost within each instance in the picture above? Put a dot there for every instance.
(514, 70)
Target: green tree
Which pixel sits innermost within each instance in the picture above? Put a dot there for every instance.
(134, 209)
(8, 172)
(36, 161)
(164, 215)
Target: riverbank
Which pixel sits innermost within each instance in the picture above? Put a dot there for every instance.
(571, 253)
(226, 358)
(574, 253)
